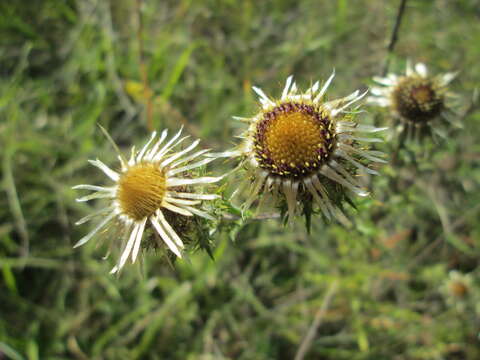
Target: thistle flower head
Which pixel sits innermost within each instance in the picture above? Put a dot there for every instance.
(299, 148)
(457, 289)
(417, 99)
(146, 189)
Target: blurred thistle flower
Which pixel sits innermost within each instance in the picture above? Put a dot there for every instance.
(457, 288)
(147, 191)
(420, 103)
(304, 150)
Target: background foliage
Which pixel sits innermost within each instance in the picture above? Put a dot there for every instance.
(378, 291)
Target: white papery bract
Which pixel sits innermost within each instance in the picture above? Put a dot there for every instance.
(147, 185)
(297, 146)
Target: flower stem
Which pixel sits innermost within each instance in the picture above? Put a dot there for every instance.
(394, 37)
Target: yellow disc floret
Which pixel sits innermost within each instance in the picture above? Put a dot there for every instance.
(141, 190)
(293, 139)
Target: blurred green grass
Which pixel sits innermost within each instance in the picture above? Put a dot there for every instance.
(64, 65)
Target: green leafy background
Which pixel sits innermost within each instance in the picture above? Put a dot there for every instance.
(373, 291)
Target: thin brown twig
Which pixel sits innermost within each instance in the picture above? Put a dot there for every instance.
(394, 37)
(390, 48)
(310, 335)
(147, 92)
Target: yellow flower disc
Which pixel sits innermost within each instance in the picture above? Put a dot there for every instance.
(294, 139)
(141, 190)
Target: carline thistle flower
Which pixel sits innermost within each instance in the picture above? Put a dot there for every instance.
(147, 190)
(302, 149)
(458, 289)
(418, 101)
